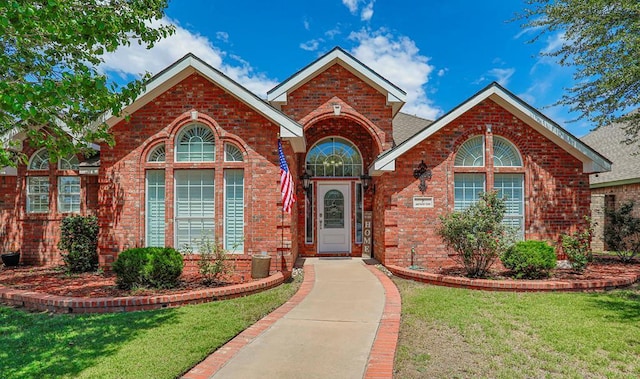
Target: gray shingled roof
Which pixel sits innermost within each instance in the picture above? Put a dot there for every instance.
(626, 166)
(406, 126)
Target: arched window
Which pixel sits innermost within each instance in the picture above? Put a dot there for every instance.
(39, 160)
(195, 143)
(232, 153)
(158, 154)
(505, 154)
(471, 153)
(334, 157)
(68, 163)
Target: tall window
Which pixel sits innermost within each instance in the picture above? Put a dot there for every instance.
(38, 186)
(155, 209)
(194, 207)
(234, 209)
(68, 194)
(507, 179)
(334, 157)
(195, 143)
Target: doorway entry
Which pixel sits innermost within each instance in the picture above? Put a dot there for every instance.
(334, 218)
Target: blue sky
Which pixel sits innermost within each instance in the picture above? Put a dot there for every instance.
(440, 52)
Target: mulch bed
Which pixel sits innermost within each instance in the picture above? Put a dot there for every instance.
(602, 267)
(54, 281)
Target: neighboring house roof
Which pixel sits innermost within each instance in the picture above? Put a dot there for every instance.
(592, 161)
(406, 126)
(395, 96)
(189, 64)
(626, 166)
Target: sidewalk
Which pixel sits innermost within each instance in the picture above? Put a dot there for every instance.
(329, 334)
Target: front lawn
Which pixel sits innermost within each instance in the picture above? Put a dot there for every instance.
(154, 344)
(458, 333)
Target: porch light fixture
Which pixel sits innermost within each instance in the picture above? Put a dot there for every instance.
(366, 183)
(306, 182)
(423, 173)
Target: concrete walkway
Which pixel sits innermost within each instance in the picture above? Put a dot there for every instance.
(329, 334)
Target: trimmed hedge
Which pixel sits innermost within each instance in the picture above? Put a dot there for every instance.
(530, 259)
(79, 239)
(158, 267)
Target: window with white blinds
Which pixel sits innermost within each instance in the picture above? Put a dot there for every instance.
(37, 194)
(467, 189)
(511, 188)
(194, 207)
(155, 208)
(234, 210)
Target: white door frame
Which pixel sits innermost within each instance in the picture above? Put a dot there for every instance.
(322, 189)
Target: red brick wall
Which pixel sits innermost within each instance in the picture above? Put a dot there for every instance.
(622, 194)
(122, 171)
(337, 84)
(36, 235)
(556, 190)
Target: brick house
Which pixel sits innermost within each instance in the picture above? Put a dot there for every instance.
(609, 190)
(198, 157)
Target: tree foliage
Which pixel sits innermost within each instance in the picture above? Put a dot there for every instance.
(602, 41)
(622, 232)
(477, 235)
(50, 52)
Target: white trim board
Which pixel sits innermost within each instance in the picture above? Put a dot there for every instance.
(591, 160)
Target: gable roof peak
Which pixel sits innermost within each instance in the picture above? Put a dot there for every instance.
(395, 96)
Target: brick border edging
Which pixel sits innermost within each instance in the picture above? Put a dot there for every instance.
(39, 301)
(215, 361)
(514, 285)
(382, 356)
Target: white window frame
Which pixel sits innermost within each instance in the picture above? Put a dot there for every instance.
(32, 195)
(309, 222)
(186, 156)
(194, 244)
(148, 215)
(75, 205)
(235, 247)
(521, 216)
(481, 137)
(465, 204)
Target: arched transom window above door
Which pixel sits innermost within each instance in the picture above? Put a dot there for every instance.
(334, 157)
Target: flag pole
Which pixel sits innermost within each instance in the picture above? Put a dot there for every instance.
(281, 226)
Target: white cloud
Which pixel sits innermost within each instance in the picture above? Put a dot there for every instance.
(307, 25)
(442, 71)
(311, 45)
(367, 11)
(331, 33)
(352, 5)
(500, 75)
(398, 60)
(136, 60)
(222, 36)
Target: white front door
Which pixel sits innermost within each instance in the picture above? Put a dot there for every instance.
(334, 218)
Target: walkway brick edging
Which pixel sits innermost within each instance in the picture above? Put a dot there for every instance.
(38, 301)
(382, 356)
(215, 361)
(514, 285)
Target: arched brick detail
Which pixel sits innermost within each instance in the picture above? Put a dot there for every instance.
(325, 111)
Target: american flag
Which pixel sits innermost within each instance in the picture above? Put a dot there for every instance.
(286, 182)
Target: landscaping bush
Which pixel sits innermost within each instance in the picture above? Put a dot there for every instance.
(530, 259)
(79, 238)
(622, 232)
(577, 247)
(158, 267)
(477, 235)
(213, 263)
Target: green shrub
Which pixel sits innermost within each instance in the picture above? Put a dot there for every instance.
(577, 247)
(214, 263)
(622, 232)
(476, 235)
(79, 239)
(530, 259)
(158, 267)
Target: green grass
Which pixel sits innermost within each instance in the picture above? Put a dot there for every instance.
(449, 333)
(153, 344)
